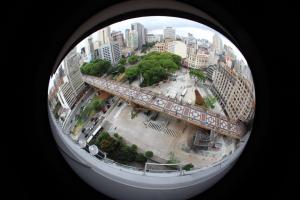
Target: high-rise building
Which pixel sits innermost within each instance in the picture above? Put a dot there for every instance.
(103, 35)
(73, 86)
(127, 37)
(91, 48)
(133, 41)
(235, 93)
(144, 36)
(210, 70)
(118, 37)
(217, 43)
(139, 28)
(178, 48)
(169, 34)
(110, 51)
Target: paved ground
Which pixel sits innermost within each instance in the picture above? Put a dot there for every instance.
(135, 131)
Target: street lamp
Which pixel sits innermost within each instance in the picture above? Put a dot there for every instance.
(82, 143)
(93, 149)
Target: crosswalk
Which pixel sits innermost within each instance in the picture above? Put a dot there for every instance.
(161, 128)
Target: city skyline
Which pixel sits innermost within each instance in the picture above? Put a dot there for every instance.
(182, 27)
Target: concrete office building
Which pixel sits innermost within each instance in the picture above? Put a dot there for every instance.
(198, 61)
(217, 44)
(127, 37)
(118, 37)
(103, 35)
(235, 93)
(110, 51)
(73, 85)
(133, 42)
(169, 34)
(177, 47)
(153, 38)
(139, 28)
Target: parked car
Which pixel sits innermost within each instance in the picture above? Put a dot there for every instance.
(119, 104)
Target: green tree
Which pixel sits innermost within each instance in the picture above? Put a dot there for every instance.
(97, 104)
(133, 59)
(188, 167)
(96, 67)
(122, 61)
(198, 74)
(132, 73)
(140, 158)
(148, 154)
(210, 101)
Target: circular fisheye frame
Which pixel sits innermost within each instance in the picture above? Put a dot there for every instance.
(152, 107)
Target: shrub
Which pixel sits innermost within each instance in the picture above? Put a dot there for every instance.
(148, 154)
(188, 167)
(140, 158)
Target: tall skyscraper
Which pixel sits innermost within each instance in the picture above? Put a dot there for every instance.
(127, 37)
(217, 44)
(103, 35)
(73, 85)
(133, 41)
(169, 34)
(140, 32)
(91, 48)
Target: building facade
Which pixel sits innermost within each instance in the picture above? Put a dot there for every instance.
(217, 44)
(73, 86)
(119, 38)
(103, 35)
(133, 41)
(235, 93)
(139, 28)
(110, 51)
(169, 34)
(177, 47)
(150, 38)
(160, 47)
(198, 61)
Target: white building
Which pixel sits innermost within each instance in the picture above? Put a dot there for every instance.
(70, 91)
(153, 38)
(217, 44)
(141, 37)
(103, 36)
(133, 42)
(127, 37)
(178, 48)
(110, 51)
(169, 34)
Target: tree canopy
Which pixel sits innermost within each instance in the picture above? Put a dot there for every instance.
(133, 59)
(198, 74)
(154, 67)
(96, 67)
(210, 101)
